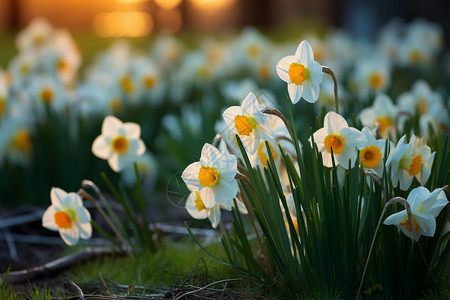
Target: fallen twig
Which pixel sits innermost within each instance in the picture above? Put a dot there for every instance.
(60, 263)
(207, 286)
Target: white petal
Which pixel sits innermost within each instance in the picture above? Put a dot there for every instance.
(210, 155)
(396, 218)
(228, 167)
(141, 148)
(250, 104)
(83, 215)
(327, 159)
(438, 200)
(190, 175)
(208, 197)
(283, 67)
(113, 162)
(405, 180)
(85, 230)
(309, 93)
(214, 216)
(427, 224)
(315, 74)
(334, 122)
(70, 236)
(226, 190)
(295, 92)
(304, 53)
(132, 130)
(48, 219)
(250, 142)
(230, 114)
(192, 209)
(57, 196)
(101, 148)
(111, 126)
(353, 138)
(346, 156)
(319, 138)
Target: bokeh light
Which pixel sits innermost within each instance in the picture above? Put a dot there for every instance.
(122, 24)
(168, 4)
(169, 20)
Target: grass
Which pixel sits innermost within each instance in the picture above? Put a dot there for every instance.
(148, 273)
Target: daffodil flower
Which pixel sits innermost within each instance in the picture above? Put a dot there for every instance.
(425, 207)
(409, 160)
(68, 216)
(249, 123)
(344, 140)
(213, 176)
(197, 209)
(302, 74)
(371, 156)
(119, 143)
(382, 113)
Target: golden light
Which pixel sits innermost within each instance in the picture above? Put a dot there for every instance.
(167, 4)
(213, 4)
(122, 24)
(131, 1)
(169, 20)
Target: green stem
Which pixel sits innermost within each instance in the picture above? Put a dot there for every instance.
(328, 71)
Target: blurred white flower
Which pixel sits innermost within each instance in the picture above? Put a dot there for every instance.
(382, 113)
(425, 207)
(35, 35)
(371, 75)
(302, 73)
(119, 143)
(68, 216)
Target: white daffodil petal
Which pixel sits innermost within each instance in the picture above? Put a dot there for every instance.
(283, 67)
(48, 219)
(85, 230)
(83, 214)
(132, 130)
(214, 216)
(57, 196)
(101, 148)
(295, 92)
(210, 155)
(70, 236)
(396, 218)
(334, 122)
(113, 162)
(110, 125)
(304, 53)
(208, 196)
(190, 175)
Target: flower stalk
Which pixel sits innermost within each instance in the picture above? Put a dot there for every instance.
(328, 71)
(86, 195)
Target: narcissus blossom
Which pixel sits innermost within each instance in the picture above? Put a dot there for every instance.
(371, 156)
(425, 207)
(382, 113)
(344, 140)
(68, 216)
(409, 160)
(119, 143)
(302, 74)
(197, 209)
(213, 176)
(249, 123)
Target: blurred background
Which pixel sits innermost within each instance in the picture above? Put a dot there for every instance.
(139, 18)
